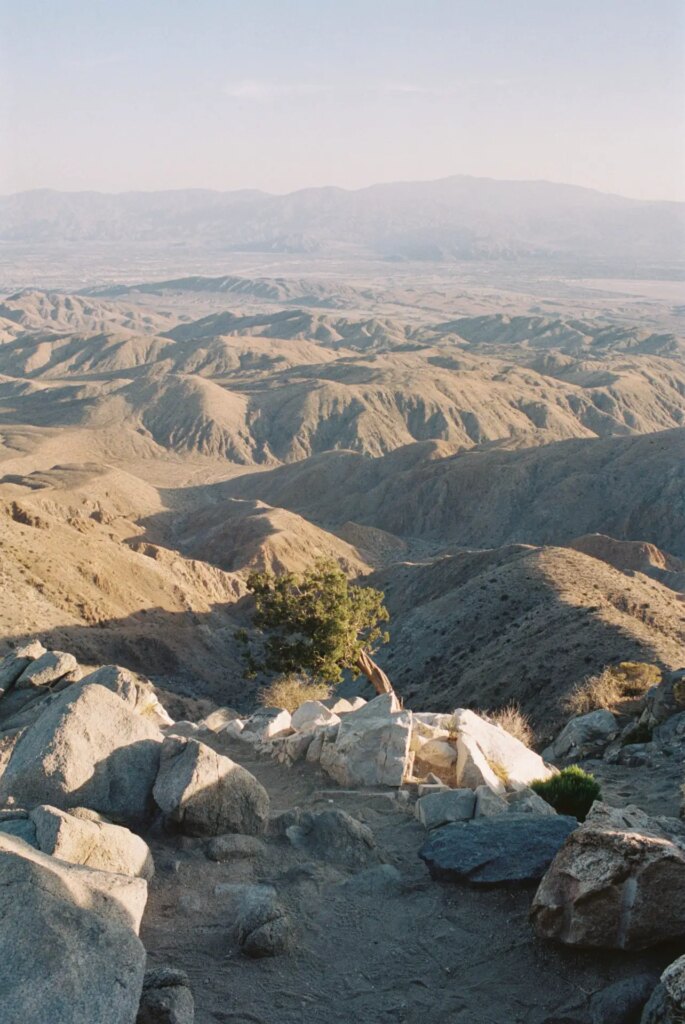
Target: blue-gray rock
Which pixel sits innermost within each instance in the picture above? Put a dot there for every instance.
(622, 1002)
(502, 850)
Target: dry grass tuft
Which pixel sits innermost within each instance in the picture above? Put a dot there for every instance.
(513, 720)
(290, 691)
(617, 688)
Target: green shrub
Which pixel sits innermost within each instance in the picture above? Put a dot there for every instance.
(572, 791)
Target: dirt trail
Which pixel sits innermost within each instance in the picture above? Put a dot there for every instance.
(389, 955)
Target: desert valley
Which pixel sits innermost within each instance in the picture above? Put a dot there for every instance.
(468, 394)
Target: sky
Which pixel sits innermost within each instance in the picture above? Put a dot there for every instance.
(115, 95)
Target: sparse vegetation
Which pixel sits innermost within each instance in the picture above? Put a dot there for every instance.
(289, 691)
(617, 688)
(499, 770)
(573, 791)
(319, 623)
(513, 720)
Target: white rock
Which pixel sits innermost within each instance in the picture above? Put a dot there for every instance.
(312, 712)
(488, 755)
(372, 745)
(219, 719)
(449, 805)
(324, 735)
(267, 723)
(343, 706)
(234, 729)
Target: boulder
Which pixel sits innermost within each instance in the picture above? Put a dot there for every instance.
(489, 803)
(234, 729)
(219, 719)
(372, 745)
(47, 669)
(426, 727)
(621, 1002)
(82, 836)
(324, 735)
(265, 724)
(583, 736)
(261, 925)
(527, 801)
(14, 663)
(666, 1005)
(183, 728)
(606, 886)
(166, 998)
(332, 836)
(313, 713)
(447, 805)
(488, 755)
(87, 749)
(136, 690)
(502, 850)
(438, 757)
(234, 847)
(207, 794)
(119, 898)
(665, 699)
(68, 949)
(342, 705)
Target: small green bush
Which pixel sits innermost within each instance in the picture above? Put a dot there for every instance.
(572, 791)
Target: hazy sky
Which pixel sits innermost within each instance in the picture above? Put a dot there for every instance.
(284, 94)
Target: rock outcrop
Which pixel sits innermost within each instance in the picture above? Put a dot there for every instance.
(606, 886)
(69, 951)
(372, 745)
(87, 749)
(206, 794)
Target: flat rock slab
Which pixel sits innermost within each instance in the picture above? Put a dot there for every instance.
(502, 850)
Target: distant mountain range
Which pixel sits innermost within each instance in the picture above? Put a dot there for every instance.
(454, 218)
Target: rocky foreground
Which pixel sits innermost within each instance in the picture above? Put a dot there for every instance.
(348, 861)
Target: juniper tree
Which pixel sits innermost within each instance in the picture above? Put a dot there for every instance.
(319, 623)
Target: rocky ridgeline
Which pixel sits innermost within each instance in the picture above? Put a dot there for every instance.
(88, 762)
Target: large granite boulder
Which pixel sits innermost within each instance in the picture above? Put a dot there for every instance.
(82, 836)
(372, 745)
(501, 850)
(69, 952)
(489, 755)
(207, 794)
(607, 885)
(87, 749)
(137, 691)
(583, 736)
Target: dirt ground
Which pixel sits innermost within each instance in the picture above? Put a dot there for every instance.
(397, 954)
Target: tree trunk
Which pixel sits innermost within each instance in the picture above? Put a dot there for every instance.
(374, 673)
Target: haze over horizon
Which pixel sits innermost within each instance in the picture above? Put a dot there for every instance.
(284, 99)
